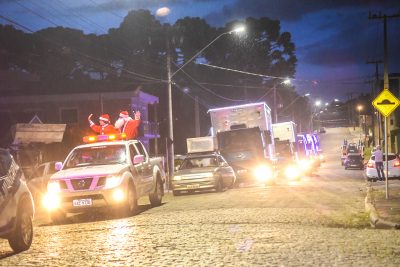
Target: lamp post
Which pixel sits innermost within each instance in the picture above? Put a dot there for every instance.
(316, 105)
(359, 108)
(287, 81)
(170, 115)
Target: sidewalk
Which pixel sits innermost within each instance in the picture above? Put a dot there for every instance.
(384, 213)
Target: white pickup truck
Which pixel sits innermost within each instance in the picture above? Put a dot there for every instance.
(108, 174)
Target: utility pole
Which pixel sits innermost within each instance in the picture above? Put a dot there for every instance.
(385, 83)
(275, 106)
(350, 108)
(374, 92)
(196, 116)
(170, 140)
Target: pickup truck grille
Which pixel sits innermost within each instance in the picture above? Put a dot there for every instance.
(81, 184)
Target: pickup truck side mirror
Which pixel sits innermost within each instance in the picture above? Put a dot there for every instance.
(58, 166)
(138, 159)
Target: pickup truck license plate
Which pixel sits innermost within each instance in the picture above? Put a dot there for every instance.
(192, 186)
(82, 202)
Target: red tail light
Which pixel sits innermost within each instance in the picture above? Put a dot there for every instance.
(370, 165)
(396, 164)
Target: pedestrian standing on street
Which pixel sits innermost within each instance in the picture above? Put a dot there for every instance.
(105, 126)
(379, 162)
(128, 125)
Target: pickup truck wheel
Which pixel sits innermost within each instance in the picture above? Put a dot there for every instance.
(220, 186)
(131, 202)
(156, 196)
(21, 238)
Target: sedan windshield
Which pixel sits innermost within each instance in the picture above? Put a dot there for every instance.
(201, 162)
(98, 155)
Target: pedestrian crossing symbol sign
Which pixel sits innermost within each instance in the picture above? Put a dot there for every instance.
(386, 102)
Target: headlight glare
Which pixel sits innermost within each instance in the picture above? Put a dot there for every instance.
(263, 173)
(292, 172)
(51, 201)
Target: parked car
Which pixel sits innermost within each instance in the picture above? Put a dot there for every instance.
(322, 130)
(203, 172)
(354, 161)
(393, 166)
(37, 182)
(16, 205)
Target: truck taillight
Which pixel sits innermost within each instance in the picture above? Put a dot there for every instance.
(370, 165)
(396, 164)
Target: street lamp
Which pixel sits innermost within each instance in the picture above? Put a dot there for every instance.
(170, 122)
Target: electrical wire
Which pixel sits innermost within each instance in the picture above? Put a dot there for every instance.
(210, 91)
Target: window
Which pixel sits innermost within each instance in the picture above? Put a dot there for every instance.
(69, 115)
(133, 151)
(141, 150)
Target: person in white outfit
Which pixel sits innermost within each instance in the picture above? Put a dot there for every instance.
(379, 163)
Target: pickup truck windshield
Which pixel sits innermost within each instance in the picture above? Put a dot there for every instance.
(97, 155)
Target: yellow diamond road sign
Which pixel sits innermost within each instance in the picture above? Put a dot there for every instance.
(386, 102)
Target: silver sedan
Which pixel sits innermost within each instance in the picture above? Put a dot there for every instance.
(203, 172)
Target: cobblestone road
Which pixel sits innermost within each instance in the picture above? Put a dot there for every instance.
(319, 221)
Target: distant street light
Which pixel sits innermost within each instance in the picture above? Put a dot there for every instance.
(170, 123)
(337, 100)
(287, 81)
(326, 104)
(317, 103)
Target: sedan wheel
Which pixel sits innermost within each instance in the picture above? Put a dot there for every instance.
(22, 237)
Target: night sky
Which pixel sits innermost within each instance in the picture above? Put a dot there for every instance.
(334, 38)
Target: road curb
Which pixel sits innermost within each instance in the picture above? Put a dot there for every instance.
(376, 222)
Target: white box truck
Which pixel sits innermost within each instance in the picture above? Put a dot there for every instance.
(245, 139)
(285, 139)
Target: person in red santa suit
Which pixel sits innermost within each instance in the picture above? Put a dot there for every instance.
(128, 125)
(105, 127)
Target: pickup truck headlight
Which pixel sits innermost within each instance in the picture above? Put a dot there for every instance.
(177, 178)
(53, 187)
(112, 181)
(51, 200)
